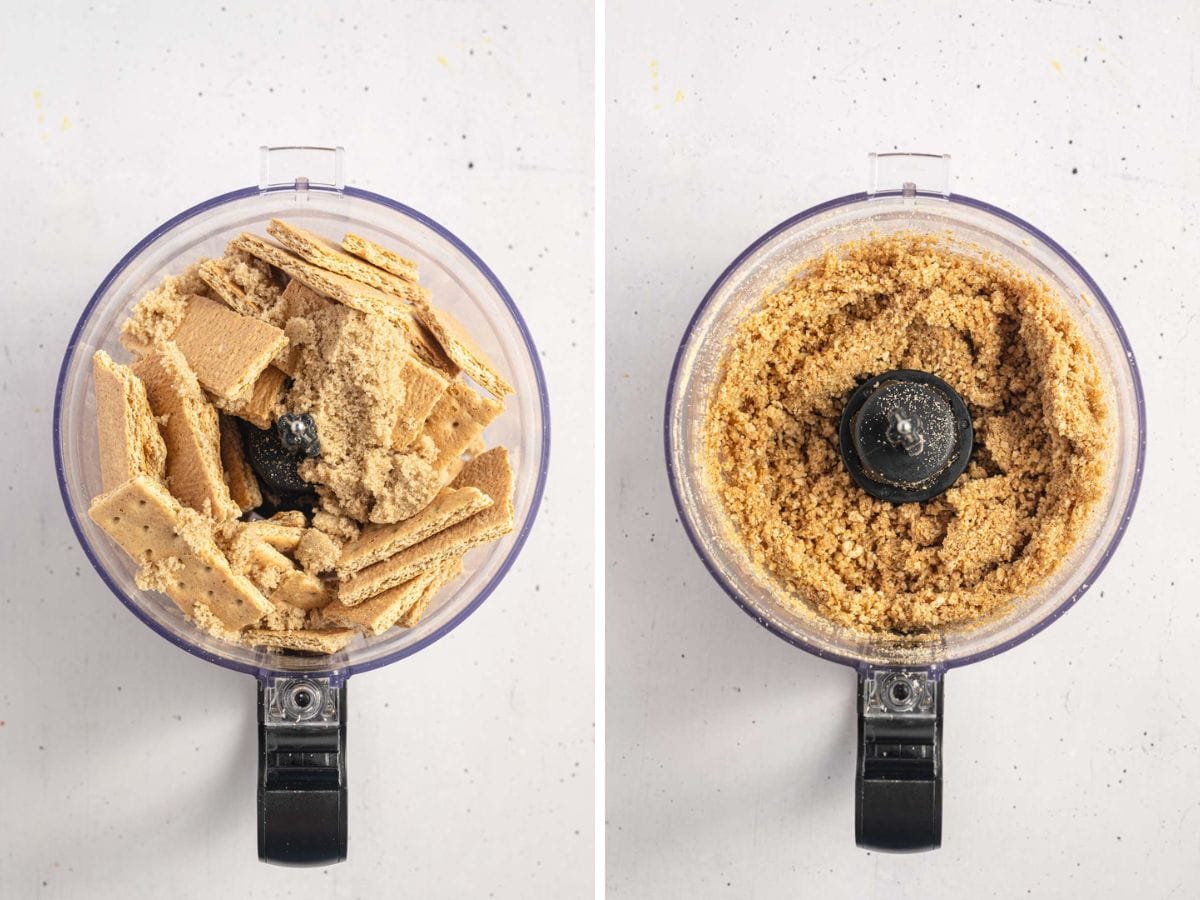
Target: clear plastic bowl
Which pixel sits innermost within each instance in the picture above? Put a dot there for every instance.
(458, 280)
(764, 266)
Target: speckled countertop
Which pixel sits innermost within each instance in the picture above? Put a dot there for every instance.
(1072, 760)
(129, 766)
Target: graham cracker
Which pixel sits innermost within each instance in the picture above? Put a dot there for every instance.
(337, 287)
(310, 640)
(149, 524)
(382, 611)
(351, 293)
(378, 542)
(215, 275)
(302, 591)
(458, 344)
(284, 536)
(321, 252)
(226, 350)
(262, 407)
(156, 317)
(190, 432)
(260, 562)
(130, 444)
(244, 283)
(239, 474)
(380, 256)
(457, 420)
(448, 571)
(491, 473)
(290, 518)
(456, 466)
(284, 617)
(423, 387)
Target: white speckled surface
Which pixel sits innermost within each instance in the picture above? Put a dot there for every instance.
(128, 765)
(1072, 760)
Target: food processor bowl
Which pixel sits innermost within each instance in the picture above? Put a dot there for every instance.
(458, 281)
(895, 203)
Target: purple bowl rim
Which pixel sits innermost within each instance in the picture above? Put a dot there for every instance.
(337, 672)
(1126, 514)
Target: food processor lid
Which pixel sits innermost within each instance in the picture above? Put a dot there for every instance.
(905, 436)
(335, 666)
(928, 198)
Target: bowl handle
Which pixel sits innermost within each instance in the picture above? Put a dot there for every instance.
(301, 770)
(898, 784)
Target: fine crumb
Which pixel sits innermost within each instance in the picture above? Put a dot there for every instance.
(1003, 340)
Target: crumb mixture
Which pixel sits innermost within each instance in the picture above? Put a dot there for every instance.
(1003, 341)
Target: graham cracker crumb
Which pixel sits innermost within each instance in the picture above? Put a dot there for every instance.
(1003, 340)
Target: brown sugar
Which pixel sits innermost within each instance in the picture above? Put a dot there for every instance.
(1003, 340)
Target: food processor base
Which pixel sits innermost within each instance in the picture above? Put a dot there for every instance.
(302, 802)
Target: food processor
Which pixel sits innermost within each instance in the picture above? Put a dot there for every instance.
(898, 784)
(302, 789)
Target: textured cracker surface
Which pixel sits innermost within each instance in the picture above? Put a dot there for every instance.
(149, 524)
(190, 432)
(130, 443)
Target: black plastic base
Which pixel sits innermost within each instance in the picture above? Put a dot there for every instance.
(898, 785)
(302, 802)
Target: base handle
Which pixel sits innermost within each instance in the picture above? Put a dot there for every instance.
(302, 803)
(898, 785)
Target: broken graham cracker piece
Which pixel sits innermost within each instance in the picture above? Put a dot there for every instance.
(317, 552)
(245, 283)
(462, 349)
(130, 444)
(491, 473)
(423, 388)
(149, 524)
(352, 294)
(227, 351)
(382, 611)
(190, 432)
(282, 535)
(156, 317)
(291, 518)
(347, 291)
(303, 591)
(309, 640)
(448, 571)
(319, 251)
(378, 542)
(261, 408)
(239, 474)
(381, 257)
(253, 557)
(284, 617)
(457, 420)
